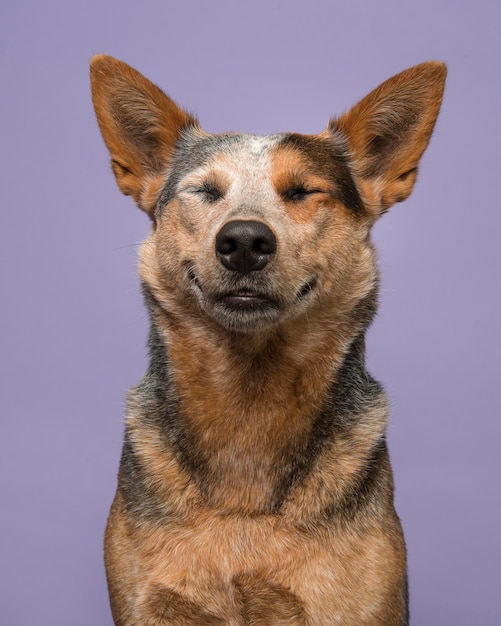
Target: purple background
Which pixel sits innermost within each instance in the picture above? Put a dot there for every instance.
(73, 323)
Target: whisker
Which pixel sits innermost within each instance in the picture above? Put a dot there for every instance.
(130, 245)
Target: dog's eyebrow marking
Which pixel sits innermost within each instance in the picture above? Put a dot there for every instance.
(328, 160)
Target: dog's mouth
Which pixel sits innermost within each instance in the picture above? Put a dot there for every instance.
(245, 299)
(243, 306)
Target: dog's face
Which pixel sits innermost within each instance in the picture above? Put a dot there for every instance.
(249, 231)
(259, 230)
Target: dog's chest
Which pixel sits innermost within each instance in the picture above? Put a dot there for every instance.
(220, 562)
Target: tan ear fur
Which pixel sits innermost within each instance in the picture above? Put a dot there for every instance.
(388, 131)
(139, 124)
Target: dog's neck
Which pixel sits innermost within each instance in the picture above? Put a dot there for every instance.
(247, 413)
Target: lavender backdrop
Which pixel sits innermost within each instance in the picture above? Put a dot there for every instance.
(73, 325)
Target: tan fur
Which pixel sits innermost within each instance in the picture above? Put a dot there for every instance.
(219, 529)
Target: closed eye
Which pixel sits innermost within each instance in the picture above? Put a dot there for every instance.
(298, 193)
(208, 192)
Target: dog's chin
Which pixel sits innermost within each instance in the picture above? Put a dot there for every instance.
(248, 310)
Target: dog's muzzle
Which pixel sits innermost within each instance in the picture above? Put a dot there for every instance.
(242, 296)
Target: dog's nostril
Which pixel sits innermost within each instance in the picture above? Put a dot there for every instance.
(245, 245)
(264, 246)
(226, 246)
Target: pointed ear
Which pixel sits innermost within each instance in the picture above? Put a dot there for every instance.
(388, 131)
(139, 124)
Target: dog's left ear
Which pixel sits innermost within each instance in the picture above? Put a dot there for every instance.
(140, 126)
(388, 131)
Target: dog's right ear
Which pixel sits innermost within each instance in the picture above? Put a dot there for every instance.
(140, 126)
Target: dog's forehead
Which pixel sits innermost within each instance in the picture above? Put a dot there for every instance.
(240, 154)
(242, 151)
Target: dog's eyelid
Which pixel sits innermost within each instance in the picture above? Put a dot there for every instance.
(299, 192)
(207, 190)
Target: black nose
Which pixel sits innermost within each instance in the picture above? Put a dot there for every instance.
(245, 246)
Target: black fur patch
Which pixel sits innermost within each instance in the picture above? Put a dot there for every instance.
(133, 484)
(407, 617)
(374, 485)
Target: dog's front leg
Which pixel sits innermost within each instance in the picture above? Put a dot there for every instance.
(164, 607)
(260, 603)
(267, 604)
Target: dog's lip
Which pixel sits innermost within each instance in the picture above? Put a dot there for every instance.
(244, 299)
(238, 298)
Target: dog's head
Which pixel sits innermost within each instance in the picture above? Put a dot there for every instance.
(252, 231)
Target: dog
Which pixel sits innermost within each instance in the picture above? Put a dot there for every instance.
(255, 486)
